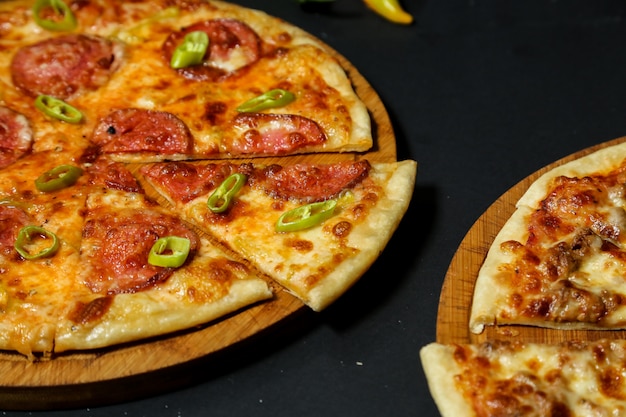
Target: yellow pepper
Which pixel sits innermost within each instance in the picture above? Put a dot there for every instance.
(390, 10)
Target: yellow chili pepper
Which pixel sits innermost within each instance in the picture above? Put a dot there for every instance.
(390, 10)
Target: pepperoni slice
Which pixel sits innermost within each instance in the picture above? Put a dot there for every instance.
(274, 134)
(113, 175)
(16, 136)
(232, 46)
(139, 130)
(12, 219)
(64, 66)
(185, 181)
(122, 243)
(310, 183)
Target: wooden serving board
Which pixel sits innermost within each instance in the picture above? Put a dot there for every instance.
(145, 368)
(458, 287)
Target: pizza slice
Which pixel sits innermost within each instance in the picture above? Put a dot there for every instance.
(313, 228)
(527, 379)
(560, 260)
(146, 273)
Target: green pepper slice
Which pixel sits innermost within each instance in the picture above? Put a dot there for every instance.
(191, 51)
(28, 234)
(221, 198)
(305, 217)
(169, 251)
(63, 19)
(58, 178)
(58, 109)
(272, 99)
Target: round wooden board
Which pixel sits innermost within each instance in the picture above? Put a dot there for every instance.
(127, 372)
(458, 287)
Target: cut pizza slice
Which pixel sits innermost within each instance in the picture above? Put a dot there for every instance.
(313, 228)
(560, 260)
(40, 223)
(527, 379)
(146, 273)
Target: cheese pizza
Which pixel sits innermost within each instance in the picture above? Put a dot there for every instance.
(162, 165)
(527, 379)
(559, 262)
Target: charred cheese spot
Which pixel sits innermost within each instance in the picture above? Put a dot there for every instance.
(85, 313)
(342, 229)
(300, 245)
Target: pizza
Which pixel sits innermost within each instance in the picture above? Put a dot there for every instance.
(527, 379)
(167, 163)
(559, 261)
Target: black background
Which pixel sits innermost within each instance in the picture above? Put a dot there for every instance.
(481, 93)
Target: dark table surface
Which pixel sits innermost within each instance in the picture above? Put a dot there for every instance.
(481, 93)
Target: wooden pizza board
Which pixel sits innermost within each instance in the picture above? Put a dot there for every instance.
(145, 368)
(458, 287)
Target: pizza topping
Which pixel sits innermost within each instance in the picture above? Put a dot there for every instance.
(169, 251)
(274, 134)
(122, 243)
(113, 175)
(305, 217)
(272, 99)
(64, 66)
(221, 198)
(232, 46)
(54, 15)
(139, 130)
(58, 178)
(58, 109)
(312, 183)
(191, 51)
(185, 181)
(16, 136)
(12, 220)
(34, 242)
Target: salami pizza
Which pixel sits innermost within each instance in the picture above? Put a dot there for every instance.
(164, 163)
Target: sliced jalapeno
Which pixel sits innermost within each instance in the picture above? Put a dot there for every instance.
(272, 99)
(305, 217)
(58, 178)
(54, 15)
(32, 237)
(58, 109)
(191, 51)
(221, 198)
(169, 251)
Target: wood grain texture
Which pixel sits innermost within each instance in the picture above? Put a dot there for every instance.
(125, 372)
(458, 287)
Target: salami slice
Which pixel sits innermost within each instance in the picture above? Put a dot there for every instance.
(113, 175)
(119, 248)
(65, 66)
(12, 219)
(187, 181)
(273, 134)
(310, 183)
(16, 136)
(232, 46)
(139, 130)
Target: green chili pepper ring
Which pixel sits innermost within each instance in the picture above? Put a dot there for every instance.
(191, 51)
(58, 178)
(221, 198)
(306, 216)
(58, 109)
(169, 251)
(27, 234)
(271, 99)
(60, 9)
